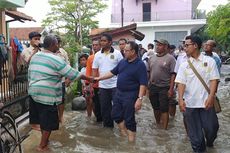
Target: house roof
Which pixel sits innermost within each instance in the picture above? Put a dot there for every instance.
(96, 33)
(16, 15)
(23, 33)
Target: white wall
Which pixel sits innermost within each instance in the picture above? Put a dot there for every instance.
(150, 32)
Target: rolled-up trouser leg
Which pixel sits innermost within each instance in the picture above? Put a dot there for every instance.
(123, 108)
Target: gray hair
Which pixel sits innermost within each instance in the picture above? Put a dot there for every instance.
(49, 41)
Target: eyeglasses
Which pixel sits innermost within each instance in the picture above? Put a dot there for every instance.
(128, 50)
(186, 45)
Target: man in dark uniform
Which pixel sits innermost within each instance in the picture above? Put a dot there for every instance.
(131, 87)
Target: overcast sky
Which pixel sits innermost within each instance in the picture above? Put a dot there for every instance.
(39, 8)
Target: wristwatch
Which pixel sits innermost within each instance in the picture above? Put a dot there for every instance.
(140, 98)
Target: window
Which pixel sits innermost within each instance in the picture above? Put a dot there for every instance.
(146, 11)
(173, 37)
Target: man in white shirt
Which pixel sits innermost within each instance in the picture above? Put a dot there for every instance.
(34, 47)
(209, 48)
(194, 100)
(104, 61)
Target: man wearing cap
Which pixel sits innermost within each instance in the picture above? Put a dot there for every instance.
(161, 81)
(34, 47)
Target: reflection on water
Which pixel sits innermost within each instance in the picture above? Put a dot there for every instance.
(84, 135)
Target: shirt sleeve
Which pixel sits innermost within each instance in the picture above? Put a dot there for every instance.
(89, 66)
(120, 57)
(67, 71)
(25, 55)
(177, 64)
(172, 65)
(95, 62)
(142, 73)
(115, 70)
(180, 77)
(147, 65)
(214, 73)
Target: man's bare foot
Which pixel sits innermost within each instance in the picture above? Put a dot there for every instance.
(42, 149)
(36, 127)
(124, 133)
(61, 120)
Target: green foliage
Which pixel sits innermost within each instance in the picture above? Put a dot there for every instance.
(69, 16)
(75, 88)
(218, 25)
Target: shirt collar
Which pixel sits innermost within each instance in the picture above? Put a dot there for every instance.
(134, 61)
(200, 58)
(111, 50)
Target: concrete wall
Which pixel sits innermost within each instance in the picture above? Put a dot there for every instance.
(160, 10)
(150, 33)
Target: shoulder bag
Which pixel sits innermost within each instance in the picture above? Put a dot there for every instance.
(216, 100)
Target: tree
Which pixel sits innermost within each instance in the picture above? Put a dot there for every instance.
(218, 25)
(74, 18)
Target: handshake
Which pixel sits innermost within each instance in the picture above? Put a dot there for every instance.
(91, 79)
(102, 77)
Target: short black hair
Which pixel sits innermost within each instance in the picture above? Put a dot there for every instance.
(123, 39)
(195, 39)
(83, 56)
(134, 46)
(49, 40)
(172, 46)
(34, 34)
(58, 38)
(108, 36)
(98, 40)
(151, 45)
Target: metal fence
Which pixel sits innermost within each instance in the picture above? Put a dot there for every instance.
(13, 86)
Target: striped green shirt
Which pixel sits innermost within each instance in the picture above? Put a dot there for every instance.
(45, 77)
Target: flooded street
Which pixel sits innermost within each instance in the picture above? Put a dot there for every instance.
(84, 135)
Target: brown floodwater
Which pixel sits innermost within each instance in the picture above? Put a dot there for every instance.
(80, 134)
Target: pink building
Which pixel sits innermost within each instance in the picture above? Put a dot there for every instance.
(166, 19)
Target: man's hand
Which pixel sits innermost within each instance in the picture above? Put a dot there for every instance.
(91, 79)
(36, 49)
(138, 104)
(182, 105)
(209, 102)
(170, 93)
(67, 82)
(97, 78)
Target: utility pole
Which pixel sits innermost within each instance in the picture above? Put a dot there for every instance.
(122, 13)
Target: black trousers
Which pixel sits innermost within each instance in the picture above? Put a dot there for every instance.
(97, 105)
(106, 97)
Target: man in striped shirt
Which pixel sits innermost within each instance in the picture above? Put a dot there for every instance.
(45, 88)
